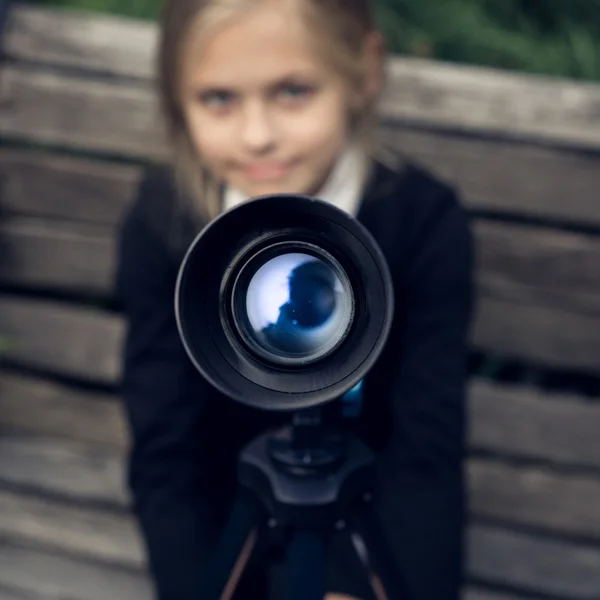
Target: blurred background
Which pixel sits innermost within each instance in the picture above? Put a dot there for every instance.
(554, 37)
(499, 97)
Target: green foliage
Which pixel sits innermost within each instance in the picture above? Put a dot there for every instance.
(552, 37)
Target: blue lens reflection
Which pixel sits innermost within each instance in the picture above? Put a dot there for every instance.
(297, 306)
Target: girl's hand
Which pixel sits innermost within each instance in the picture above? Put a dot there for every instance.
(340, 597)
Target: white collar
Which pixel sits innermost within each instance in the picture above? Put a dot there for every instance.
(344, 187)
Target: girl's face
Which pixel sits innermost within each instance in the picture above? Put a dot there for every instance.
(262, 110)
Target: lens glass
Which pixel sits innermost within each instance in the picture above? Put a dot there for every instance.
(297, 308)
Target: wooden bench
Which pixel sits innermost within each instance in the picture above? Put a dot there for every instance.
(78, 121)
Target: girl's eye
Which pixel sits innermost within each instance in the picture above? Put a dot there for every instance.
(294, 92)
(216, 99)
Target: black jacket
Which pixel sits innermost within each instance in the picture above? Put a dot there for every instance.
(185, 435)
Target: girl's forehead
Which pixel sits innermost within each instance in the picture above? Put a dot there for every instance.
(268, 42)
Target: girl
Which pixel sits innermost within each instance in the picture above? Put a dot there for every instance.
(273, 96)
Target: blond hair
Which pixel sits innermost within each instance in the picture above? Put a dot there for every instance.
(339, 28)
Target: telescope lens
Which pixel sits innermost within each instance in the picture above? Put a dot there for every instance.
(297, 308)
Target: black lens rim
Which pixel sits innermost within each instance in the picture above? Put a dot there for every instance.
(203, 284)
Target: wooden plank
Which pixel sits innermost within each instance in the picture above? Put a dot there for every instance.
(536, 565)
(491, 101)
(89, 533)
(558, 502)
(515, 262)
(492, 175)
(52, 576)
(32, 571)
(90, 340)
(423, 92)
(77, 471)
(16, 595)
(534, 265)
(45, 185)
(503, 176)
(495, 555)
(57, 257)
(538, 334)
(66, 110)
(479, 593)
(82, 40)
(70, 340)
(528, 423)
(561, 503)
(38, 406)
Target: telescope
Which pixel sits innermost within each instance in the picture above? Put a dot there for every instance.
(284, 303)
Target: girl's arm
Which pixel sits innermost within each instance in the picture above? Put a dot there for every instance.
(168, 473)
(422, 499)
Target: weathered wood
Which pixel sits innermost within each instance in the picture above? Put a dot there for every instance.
(429, 93)
(45, 185)
(538, 334)
(38, 406)
(525, 422)
(562, 503)
(510, 420)
(82, 472)
(504, 176)
(557, 502)
(67, 110)
(83, 40)
(58, 256)
(68, 339)
(90, 533)
(492, 175)
(491, 101)
(85, 343)
(52, 576)
(520, 263)
(478, 593)
(533, 265)
(494, 554)
(6, 594)
(534, 564)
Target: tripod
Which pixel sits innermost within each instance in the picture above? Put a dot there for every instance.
(309, 480)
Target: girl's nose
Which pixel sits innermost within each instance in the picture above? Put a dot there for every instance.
(257, 129)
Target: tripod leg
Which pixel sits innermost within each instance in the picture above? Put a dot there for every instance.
(373, 550)
(305, 560)
(233, 551)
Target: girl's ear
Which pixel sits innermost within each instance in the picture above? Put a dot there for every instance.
(373, 56)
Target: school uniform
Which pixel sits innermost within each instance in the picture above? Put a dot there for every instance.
(186, 435)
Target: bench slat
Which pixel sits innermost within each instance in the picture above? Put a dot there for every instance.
(430, 93)
(543, 335)
(66, 110)
(515, 262)
(121, 119)
(39, 406)
(505, 177)
(100, 536)
(57, 256)
(527, 423)
(52, 576)
(560, 503)
(534, 564)
(44, 185)
(512, 420)
(70, 340)
(82, 472)
(75, 468)
(491, 175)
(89, 533)
(86, 343)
